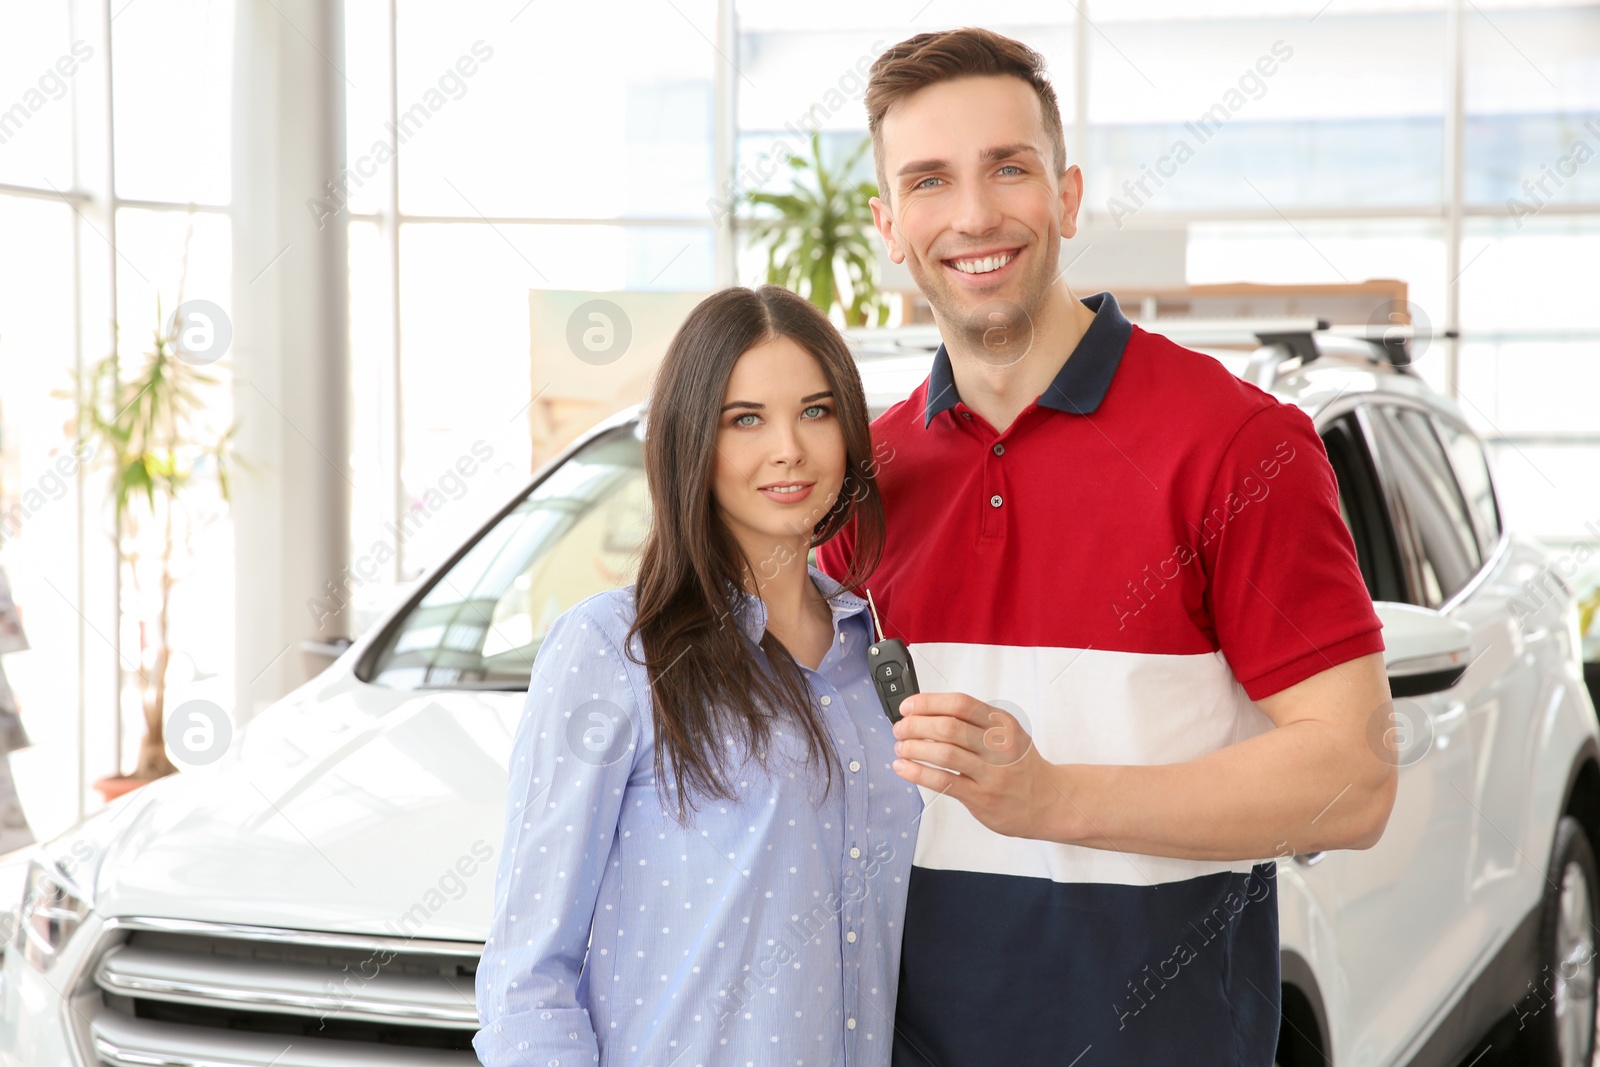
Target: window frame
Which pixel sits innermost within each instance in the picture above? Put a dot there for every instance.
(1459, 425)
(1408, 538)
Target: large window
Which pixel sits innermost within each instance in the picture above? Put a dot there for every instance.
(1308, 142)
(498, 146)
(107, 214)
(539, 147)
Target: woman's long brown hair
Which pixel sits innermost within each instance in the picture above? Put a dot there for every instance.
(706, 680)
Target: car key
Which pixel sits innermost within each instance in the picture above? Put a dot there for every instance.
(893, 674)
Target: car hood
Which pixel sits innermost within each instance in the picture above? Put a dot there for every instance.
(344, 807)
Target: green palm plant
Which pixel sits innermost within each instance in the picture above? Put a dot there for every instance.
(819, 237)
(145, 429)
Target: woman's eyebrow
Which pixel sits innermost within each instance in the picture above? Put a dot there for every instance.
(761, 407)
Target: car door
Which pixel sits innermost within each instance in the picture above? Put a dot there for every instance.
(1397, 909)
(1507, 695)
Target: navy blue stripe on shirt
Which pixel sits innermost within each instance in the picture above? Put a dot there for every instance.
(1060, 999)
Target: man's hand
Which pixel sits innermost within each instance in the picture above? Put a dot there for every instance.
(1001, 777)
(1315, 782)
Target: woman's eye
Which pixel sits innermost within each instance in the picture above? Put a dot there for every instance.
(822, 408)
(738, 420)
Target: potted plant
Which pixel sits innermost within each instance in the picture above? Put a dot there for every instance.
(819, 236)
(148, 431)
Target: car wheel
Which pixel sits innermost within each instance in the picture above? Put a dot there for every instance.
(1561, 1033)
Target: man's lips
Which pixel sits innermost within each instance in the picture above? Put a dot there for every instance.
(1010, 255)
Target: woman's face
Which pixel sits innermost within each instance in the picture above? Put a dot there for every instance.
(780, 458)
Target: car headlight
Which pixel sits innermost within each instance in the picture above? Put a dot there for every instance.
(59, 888)
(52, 910)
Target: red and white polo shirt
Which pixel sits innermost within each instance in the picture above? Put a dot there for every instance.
(1152, 545)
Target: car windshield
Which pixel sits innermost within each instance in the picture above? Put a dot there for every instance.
(478, 625)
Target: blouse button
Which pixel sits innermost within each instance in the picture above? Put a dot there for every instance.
(855, 765)
(851, 937)
(849, 1024)
(855, 853)
(826, 701)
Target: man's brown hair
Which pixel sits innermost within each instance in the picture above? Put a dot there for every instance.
(930, 58)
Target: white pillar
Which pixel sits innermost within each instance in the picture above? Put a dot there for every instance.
(290, 348)
(96, 585)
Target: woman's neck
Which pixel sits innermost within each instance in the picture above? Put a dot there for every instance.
(791, 598)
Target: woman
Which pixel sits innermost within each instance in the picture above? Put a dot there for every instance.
(706, 850)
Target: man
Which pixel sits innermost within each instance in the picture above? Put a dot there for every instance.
(1145, 646)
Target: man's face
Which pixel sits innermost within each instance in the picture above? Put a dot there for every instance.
(974, 209)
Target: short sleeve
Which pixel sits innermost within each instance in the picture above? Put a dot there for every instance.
(1286, 595)
(570, 763)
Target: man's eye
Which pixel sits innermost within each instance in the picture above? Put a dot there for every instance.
(924, 182)
(1012, 166)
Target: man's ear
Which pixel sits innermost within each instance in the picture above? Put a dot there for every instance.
(883, 222)
(1071, 199)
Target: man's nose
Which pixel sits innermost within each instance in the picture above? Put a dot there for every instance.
(976, 210)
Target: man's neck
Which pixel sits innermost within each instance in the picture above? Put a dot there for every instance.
(997, 389)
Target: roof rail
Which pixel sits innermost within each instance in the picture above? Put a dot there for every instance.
(1396, 339)
(1287, 339)
(1225, 331)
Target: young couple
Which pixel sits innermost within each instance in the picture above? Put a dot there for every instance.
(719, 851)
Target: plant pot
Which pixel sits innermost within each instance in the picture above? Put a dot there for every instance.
(113, 786)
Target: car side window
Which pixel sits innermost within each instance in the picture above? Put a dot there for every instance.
(1472, 473)
(1361, 505)
(1429, 508)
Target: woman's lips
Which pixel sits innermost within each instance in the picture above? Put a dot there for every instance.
(788, 497)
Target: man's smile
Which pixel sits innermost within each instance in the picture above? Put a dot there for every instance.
(986, 267)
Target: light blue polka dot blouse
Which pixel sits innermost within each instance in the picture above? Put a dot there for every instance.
(767, 932)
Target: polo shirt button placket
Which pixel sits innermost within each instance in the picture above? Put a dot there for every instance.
(991, 528)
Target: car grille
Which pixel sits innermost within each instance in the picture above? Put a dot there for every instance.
(175, 993)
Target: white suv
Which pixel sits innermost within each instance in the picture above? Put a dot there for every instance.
(319, 897)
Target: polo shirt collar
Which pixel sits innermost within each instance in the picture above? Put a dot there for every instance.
(751, 610)
(1081, 383)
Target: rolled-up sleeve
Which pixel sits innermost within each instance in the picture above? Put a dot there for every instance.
(571, 759)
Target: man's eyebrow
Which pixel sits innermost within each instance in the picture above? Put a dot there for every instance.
(1007, 151)
(762, 407)
(992, 154)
